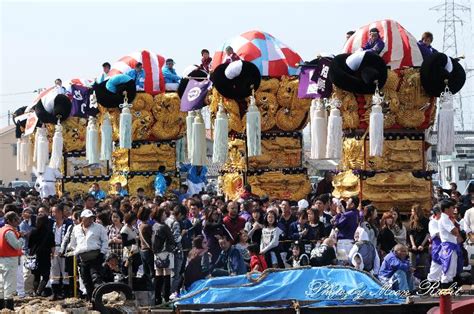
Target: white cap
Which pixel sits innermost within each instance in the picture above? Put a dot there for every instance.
(303, 204)
(87, 213)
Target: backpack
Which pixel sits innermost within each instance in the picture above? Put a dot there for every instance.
(367, 251)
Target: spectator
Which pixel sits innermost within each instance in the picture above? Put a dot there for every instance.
(254, 225)
(164, 245)
(173, 221)
(26, 226)
(110, 268)
(386, 237)
(325, 254)
(324, 216)
(298, 257)
(230, 55)
(233, 222)
(396, 269)
(182, 193)
(325, 185)
(129, 236)
(245, 209)
(138, 75)
(419, 235)
(286, 219)
(141, 194)
(363, 254)
(230, 262)
(213, 230)
(316, 227)
(171, 78)
(257, 260)
(146, 250)
(205, 61)
(299, 230)
(269, 245)
(370, 223)
(242, 245)
(398, 229)
(113, 234)
(199, 262)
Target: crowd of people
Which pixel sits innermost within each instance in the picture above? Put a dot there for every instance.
(171, 242)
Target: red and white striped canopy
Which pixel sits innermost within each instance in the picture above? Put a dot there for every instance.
(401, 48)
(152, 64)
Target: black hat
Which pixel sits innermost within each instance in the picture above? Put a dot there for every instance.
(433, 74)
(361, 80)
(19, 124)
(61, 109)
(374, 30)
(110, 99)
(184, 81)
(240, 86)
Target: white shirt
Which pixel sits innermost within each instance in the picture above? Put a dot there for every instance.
(469, 220)
(445, 227)
(433, 227)
(58, 235)
(95, 238)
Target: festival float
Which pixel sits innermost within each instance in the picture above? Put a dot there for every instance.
(387, 103)
(274, 168)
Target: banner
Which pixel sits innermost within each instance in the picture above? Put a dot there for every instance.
(314, 81)
(194, 94)
(31, 121)
(81, 106)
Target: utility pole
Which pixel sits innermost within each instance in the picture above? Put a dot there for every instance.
(450, 19)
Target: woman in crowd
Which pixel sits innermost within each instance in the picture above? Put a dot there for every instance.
(370, 223)
(254, 225)
(269, 245)
(41, 245)
(129, 235)
(419, 236)
(113, 233)
(386, 238)
(199, 262)
(163, 247)
(315, 226)
(242, 245)
(298, 257)
(398, 229)
(212, 230)
(146, 251)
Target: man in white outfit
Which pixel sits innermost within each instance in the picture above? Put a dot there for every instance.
(11, 243)
(450, 253)
(46, 182)
(433, 227)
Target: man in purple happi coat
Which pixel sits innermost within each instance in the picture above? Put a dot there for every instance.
(425, 45)
(375, 43)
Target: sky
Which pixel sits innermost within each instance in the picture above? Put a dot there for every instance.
(45, 40)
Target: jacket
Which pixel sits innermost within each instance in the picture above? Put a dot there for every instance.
(391, 263)
(170, 75)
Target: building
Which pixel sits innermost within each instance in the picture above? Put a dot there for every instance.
(8, 170)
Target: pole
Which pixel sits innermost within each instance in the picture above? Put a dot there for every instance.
(445, 303)
(75, 275)
(9, 117)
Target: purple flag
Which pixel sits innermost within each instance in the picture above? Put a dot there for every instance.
(194, 94)
(81, 106)
(314, 81)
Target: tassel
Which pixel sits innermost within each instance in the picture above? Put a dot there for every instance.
(376, 135)
(219, 154)
(334, 131)
(126, 125)
(198, 157)
(189, 132)
(318, 129)
(42, 151)
(18, 154)
(92, 140)
(180, 150)
(35, 145)
(446, 123)
(253, 129)
(106, 144)
(57, 151)
(25, 163)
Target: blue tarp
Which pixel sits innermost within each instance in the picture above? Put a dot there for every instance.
(326, 286)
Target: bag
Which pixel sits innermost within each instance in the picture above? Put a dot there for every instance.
(89, 256)
(30, 262)
(161, 262)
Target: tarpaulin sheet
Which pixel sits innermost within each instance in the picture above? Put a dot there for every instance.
(326, 286)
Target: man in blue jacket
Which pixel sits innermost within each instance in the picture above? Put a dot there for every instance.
(396, 268)
(171, 78)
(375, 43)
(138, 75)
(230, 262)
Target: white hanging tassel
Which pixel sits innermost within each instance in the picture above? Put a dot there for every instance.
(57, 151)
(125, 135)
(18, 154)
(376, 135)
(42, 151)
(189, 132)
(198, 157)
(180, 150)
(253, 129)
(92, 141)
(334, 131)
(221, 131)
(106, 144)
(318, 129)
(25, 162)
(35, 145)
(446, 123)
